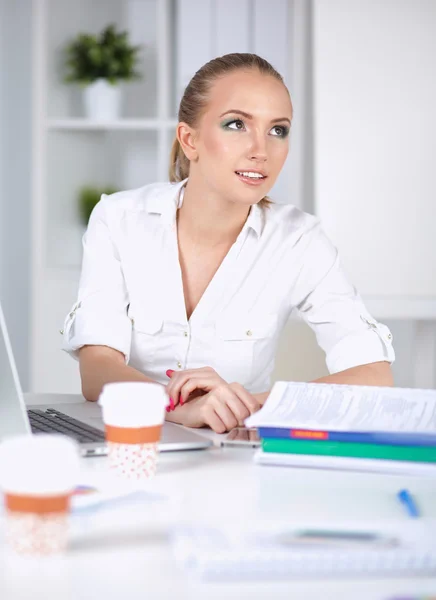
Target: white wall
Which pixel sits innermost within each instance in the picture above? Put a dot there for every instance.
(2, 120)
(15, 153)
(299, 356)
(375, 140)
(374, 153)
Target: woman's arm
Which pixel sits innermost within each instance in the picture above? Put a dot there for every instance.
(378, 373)
(100, 365)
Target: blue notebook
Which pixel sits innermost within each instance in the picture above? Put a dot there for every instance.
(386, 438)
(353, 413)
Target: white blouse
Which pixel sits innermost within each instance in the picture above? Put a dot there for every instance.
(131, 293)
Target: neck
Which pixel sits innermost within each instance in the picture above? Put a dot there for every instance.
(207, 218)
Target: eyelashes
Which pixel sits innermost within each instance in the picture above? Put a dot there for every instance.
(283, 130)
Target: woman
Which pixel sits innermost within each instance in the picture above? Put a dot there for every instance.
(190, 283)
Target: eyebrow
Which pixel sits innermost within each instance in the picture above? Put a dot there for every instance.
(248, 116)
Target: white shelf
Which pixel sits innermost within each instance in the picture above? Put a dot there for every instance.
(119, 124)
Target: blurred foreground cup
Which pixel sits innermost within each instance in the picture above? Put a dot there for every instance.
(133, 414)
(38, 474)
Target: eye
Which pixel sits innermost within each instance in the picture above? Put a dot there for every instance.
(236, 124)
(280, 131)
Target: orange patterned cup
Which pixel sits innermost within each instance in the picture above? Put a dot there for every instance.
(38, 475)
(133, 413)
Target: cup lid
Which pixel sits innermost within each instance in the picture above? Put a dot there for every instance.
(43, 464)
(133, 403)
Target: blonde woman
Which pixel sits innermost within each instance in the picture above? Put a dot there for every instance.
(190, 283)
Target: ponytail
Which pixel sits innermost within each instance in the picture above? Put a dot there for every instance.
(179, 164)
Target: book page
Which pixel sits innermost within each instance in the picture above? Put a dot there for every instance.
(348, 408)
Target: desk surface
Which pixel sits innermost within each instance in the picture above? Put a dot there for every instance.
(138, 564)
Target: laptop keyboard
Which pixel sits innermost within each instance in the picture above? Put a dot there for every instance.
(53, 421)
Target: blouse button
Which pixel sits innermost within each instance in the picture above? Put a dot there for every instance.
(249, 332)
(185, 333)
(179, 365)
(61, 331)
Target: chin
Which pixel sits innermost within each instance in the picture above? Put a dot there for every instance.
(246, 201)
(246, 197)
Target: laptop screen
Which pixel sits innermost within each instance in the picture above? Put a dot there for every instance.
(13, 416)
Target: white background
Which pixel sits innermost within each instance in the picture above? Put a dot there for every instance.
(360, 74)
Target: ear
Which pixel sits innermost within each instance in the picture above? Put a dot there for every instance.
(186, 136)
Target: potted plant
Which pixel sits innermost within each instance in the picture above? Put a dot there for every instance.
(100, 63)
(88, 198)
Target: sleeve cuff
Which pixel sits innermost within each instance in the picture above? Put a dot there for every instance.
(361, 349)
(116, 336)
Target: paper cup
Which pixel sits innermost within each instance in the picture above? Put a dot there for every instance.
(133, 414)
(37, 476)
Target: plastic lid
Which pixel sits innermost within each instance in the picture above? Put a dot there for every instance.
(43, 464)
(133, 403)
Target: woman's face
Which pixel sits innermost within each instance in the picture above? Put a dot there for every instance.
(242, 139)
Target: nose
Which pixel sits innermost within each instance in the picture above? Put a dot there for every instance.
(257, 149)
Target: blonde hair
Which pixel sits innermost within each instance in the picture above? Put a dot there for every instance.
(196, 96)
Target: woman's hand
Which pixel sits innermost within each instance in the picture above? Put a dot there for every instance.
(186, 385)
(222, 409)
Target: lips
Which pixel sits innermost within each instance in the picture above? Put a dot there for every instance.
(253, 181)
(240, 172)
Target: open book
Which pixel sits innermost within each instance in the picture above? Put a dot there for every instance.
(336, 413)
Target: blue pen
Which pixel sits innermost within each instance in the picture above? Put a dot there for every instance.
(406, 499)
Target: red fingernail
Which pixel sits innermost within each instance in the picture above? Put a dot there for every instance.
(181, 401)
(169, 372)
(172, 404)
(167, 409)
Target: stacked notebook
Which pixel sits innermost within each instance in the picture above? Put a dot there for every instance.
(350, 427)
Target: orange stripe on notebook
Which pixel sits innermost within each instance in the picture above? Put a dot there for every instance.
(312, 435)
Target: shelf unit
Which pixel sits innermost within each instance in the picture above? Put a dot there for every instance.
(70, 151)
(119, 124)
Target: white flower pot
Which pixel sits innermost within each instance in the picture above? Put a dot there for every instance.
(102, 101)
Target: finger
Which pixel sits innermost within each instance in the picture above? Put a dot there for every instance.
(227, 396)
(225, 413)
(252, 404)
(239, 409)
(209, 377)
(206, 383)
(178, 379)
(213, 420)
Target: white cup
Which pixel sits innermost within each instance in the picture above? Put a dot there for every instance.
(38, 474)
(133, 414)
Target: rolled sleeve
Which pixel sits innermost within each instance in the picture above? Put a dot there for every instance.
(333, 308)
(99, 317)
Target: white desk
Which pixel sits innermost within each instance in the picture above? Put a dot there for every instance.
(138, 565)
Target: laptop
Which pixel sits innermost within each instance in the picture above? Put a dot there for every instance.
(68, 414)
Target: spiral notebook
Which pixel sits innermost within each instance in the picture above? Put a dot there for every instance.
(211, 553)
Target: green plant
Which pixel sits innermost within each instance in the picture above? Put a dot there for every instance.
(88, 198)
(109, 56)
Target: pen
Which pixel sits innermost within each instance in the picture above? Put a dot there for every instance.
(406, 499)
